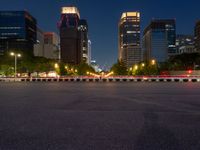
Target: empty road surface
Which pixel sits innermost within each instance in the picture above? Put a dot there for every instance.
(99, 116)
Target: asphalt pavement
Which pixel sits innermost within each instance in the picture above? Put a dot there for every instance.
(99, 116)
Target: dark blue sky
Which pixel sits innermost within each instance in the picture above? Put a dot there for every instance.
(103, 17)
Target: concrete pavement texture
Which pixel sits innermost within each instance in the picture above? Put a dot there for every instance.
(99, 116)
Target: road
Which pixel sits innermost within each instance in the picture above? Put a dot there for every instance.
(99, 116)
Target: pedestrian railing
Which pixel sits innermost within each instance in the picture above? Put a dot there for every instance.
(109, 79)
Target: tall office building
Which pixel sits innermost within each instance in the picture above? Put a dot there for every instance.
(159, 40)
(70, 37)
(17, 32)
(83, 29)
(197, 36)
(129, 38)
(89, 52)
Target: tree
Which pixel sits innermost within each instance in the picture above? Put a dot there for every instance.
(83, 68)
(6, 70)
(119, 68)
(182, 62)
(63, 70)
(146, 68)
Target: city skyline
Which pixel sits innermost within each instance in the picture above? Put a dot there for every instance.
(103, 27)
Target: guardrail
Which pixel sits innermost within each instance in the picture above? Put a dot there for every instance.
(109, 79)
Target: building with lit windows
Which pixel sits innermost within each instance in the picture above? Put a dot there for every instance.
(70, 37)
(185, 44)
(17, 32)
(89, 52)
(129, 38)
(197, 36)
(159, 40)
(83, 29)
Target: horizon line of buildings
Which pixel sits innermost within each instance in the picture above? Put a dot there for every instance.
(159, 40)
(19, 31)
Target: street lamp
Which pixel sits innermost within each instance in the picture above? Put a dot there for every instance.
(56, 66)
(153, 62)
(136, 67)
(143, 64)
(16, 56)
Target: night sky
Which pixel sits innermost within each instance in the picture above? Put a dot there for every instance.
(103, 17)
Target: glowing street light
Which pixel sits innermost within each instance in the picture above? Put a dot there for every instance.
(153, 62)
(143, 64)
(56, 66)
(136, 67)
(16, 56)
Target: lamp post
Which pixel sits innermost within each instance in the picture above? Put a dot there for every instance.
(16, 55)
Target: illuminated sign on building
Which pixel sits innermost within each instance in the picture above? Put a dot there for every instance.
(70, 10)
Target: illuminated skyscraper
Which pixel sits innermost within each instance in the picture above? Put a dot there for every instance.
(83, 29)
(70, 37)
(129, 38)
(89, 51)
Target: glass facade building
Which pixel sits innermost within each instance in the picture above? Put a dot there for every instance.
(129, 38)
(159, 40)
(18, 32)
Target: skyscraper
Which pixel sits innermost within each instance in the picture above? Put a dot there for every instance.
(159, 40)
(83, 29)
(70, 37)
(129, 38)
(197, 36)
(17, 32)
(89, 52)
